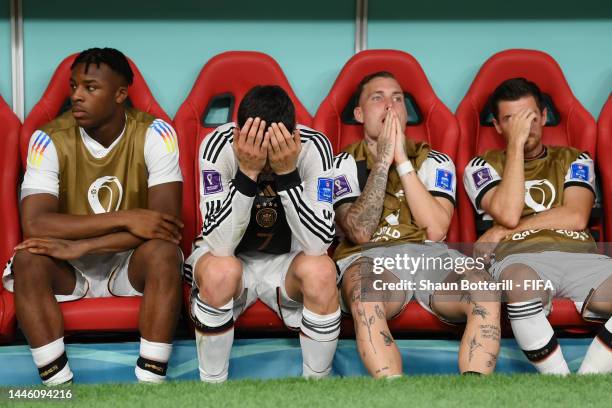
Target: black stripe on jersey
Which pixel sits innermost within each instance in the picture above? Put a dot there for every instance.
(216, 218)
(212, 142)
(584, 184)
(218, 208)
(435, 158)
(439, 157)
(218, 140)
(312, 226)
(339, 158)
(484, 191)
(317, 221)
(449, 197)
(324, 148)
(229, 140)
(477, 161)
(584, 156)
(322, 144)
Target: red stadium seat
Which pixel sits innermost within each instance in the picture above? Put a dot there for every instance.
(429, 119)
(574, 125)
(9, 210)
(571, 125)
(604, 147)
(101, 314)
(220, 87)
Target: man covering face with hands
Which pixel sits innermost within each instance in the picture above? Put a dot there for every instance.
(266, 203)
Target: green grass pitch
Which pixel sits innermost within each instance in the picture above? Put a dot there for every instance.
(518, 390)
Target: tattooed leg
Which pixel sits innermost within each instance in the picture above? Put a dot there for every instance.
(375, 344)
(480, 342)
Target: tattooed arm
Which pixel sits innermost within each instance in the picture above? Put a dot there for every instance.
(359, 219)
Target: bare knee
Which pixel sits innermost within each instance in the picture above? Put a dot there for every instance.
(31, 271)
(219, 278)
(162, 261)
(518, 274)
(600, 301)
(317, 275)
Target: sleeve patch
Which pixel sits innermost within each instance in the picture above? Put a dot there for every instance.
(325, 190)
(481, 177)
(341, 186)
(212, 182)
(444, 179)
(580, 171)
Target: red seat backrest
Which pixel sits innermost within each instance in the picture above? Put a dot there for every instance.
(576, 126)
(231, 75)
(58, 93)
(10, 168)
(438, 126)
(604, 150)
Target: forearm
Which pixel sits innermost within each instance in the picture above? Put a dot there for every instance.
(563, 218)
(311, 221)
(111, 243)
(363, 216)
(225, 221)
(73, 227)
(428, 213)
(508, 198)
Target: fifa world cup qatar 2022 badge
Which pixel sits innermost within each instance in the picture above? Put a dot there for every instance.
(341, 186)
(211, 181)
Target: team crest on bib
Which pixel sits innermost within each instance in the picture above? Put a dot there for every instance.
(105, 194)
(539, 195)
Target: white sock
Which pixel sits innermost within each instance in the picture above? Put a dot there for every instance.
(52, 363)
(214, 338)
(535, 336)
(318, 339)
(153, 361)
(598, 358)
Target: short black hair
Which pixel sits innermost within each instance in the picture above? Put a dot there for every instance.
(512, 90)
(270, 103)
(109, 56)
(366, 79)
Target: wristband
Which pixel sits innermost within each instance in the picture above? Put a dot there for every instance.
(404, 168)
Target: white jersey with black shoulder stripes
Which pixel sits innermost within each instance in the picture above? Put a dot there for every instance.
(437, 173)
(226, 197)
(480, 177)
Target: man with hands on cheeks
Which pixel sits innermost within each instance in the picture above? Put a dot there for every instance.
(540, 199)
(266, 203)
(394, 199)
(100, 208)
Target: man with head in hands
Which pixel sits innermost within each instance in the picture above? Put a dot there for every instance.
(266, 203)
(100, 208)
(540, 199)
(393, 194)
